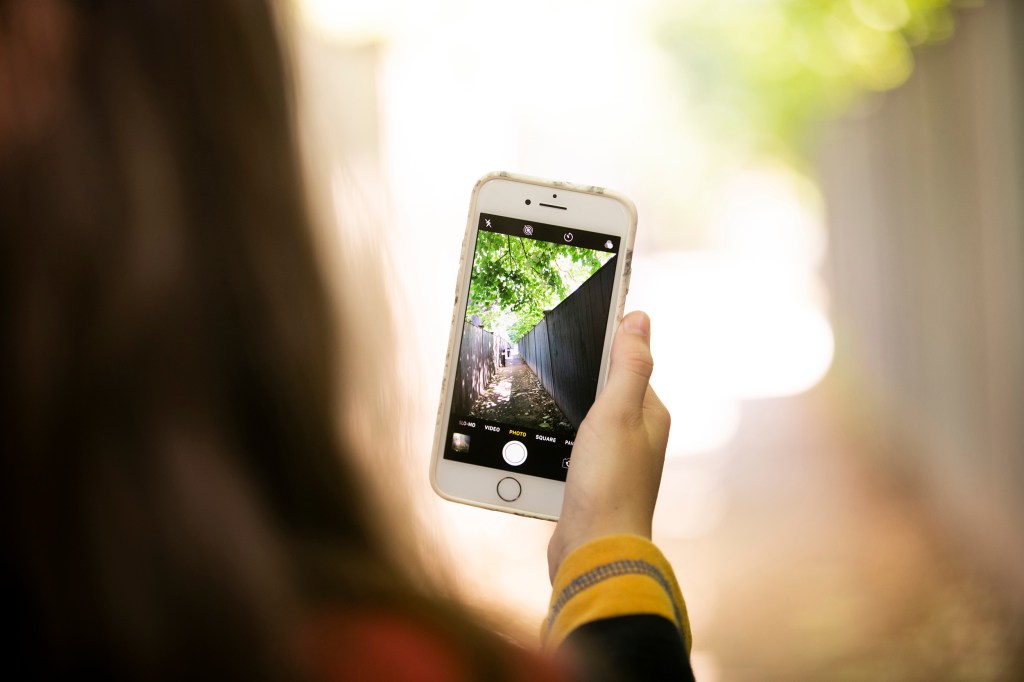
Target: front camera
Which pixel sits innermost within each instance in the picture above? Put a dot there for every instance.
(554, 196)
(527, 202)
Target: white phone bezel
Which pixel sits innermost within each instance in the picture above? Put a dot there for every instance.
(586, 208)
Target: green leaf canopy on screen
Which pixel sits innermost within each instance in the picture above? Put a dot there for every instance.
(515, 280)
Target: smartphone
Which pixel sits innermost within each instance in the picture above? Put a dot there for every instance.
(541, 289)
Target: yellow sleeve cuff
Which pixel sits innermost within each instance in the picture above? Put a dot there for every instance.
(617, 575)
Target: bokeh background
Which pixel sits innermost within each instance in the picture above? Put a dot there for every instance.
(831, 247)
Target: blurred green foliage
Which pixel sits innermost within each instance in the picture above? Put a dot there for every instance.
(763, 72)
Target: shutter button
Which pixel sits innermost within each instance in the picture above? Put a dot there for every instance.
(514, 452)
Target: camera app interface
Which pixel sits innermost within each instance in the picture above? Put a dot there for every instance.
(532, 340)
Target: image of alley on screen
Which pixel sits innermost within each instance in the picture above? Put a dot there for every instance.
(533, 335)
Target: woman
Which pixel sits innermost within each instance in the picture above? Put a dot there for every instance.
(177, 501)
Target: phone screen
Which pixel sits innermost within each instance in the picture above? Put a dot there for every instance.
(532, 341)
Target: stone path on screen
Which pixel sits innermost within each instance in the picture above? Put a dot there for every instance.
(516, 396)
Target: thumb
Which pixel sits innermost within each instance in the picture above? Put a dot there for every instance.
(631, 361)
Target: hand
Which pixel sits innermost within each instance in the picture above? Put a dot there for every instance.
(619, 451)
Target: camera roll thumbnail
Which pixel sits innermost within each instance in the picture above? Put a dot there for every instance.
(460, 442)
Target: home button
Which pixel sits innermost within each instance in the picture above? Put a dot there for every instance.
(509, 489)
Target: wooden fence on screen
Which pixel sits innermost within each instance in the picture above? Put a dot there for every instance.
(479, 357)
(564, 349)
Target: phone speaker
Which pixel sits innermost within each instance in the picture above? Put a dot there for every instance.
(553, 206)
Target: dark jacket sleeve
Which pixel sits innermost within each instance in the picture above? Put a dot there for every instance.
(635, 648)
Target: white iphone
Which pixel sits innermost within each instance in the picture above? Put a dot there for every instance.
(541, 289)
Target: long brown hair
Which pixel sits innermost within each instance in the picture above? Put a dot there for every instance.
(175, 496)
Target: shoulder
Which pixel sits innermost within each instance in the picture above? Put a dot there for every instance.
(371, 644)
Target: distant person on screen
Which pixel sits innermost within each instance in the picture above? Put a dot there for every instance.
(178, 502)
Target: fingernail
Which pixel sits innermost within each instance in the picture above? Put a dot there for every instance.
(638, 323)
